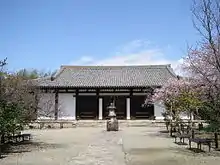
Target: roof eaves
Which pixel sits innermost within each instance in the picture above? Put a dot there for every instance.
(139, 86)
(59, 72)
(170, 69)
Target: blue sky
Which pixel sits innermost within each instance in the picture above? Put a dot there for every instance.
(45, 34)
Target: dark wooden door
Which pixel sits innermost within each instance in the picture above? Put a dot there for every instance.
(138, 111)
(121, 107)
(87, 107)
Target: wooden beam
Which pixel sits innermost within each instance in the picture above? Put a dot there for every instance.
(104, 89)
(130, 93)
(139, 94)
(114, 94)
(87, 94)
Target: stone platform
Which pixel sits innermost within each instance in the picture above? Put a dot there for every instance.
(94, 123)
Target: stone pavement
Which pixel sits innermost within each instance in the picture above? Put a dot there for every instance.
(95, 146)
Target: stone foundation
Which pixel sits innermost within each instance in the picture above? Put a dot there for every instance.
(97, 123)
(51, 125)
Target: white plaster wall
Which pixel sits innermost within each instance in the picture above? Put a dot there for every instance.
(184, 116)
(158, 109)
(67, 106)
(46, 105)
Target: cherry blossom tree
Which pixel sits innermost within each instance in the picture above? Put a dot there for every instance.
(167, 95)
(179, 96)
(203, 61)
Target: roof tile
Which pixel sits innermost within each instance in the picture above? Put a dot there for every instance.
(110, 76)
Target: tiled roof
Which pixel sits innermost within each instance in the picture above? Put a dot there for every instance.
(109, 76)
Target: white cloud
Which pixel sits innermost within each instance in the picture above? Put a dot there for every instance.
(134, 46)
(137, 52)
(84, 59)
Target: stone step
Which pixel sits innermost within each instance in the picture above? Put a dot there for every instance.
(122, 123)
(91, 123)
(95, 123)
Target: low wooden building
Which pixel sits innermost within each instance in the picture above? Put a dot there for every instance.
(84, 92)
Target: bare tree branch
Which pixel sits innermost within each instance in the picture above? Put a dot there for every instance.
(203, 62)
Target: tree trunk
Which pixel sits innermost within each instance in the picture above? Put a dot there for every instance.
(193, 134)
(171, 129)
(167, 125)
(216, 140)
(190, 120)
(2, 139)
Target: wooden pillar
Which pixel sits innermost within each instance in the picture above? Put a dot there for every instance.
(74, 107)
(100, 108)
(56, 105)
(98, 112)
(128, 108)
(77, 110)
(132, 115)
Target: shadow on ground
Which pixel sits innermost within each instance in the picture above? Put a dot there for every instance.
(163, 134)
(164, 131)
(156, 156)
(166, 156)
(182, 149)
(181, 143)
(12, 148)
(149, 151)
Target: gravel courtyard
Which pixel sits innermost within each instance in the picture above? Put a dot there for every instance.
(95, 146)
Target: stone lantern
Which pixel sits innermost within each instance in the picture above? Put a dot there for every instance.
(112, 122)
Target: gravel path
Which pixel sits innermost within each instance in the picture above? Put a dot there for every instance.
(95, 146)
(105, 150)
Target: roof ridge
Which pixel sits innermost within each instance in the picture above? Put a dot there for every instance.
(114, 66)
